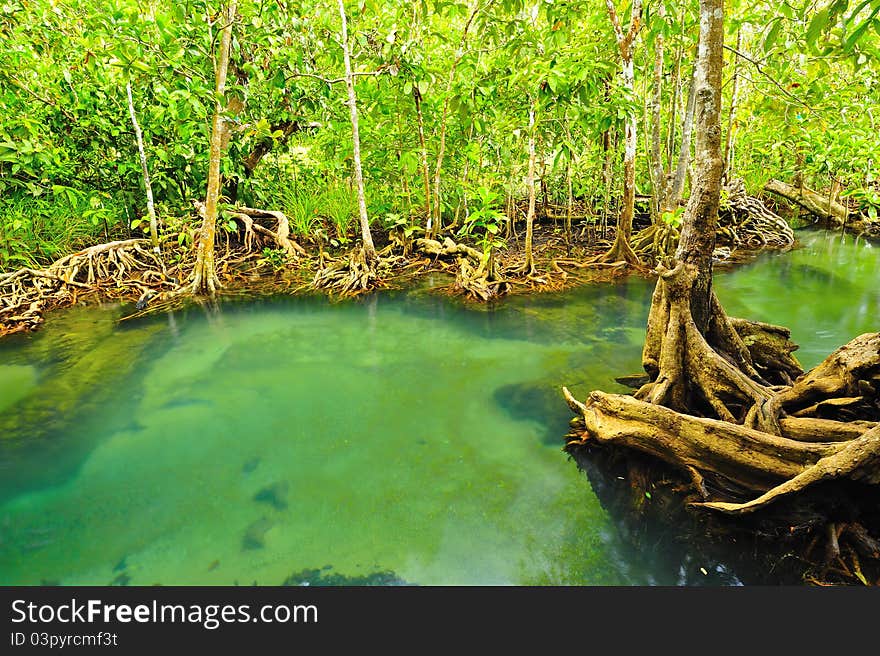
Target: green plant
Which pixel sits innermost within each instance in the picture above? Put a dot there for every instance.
(338, 203)
(868, 201)
(485, 219)
(301, 208)
(673, 218)
(274, 257)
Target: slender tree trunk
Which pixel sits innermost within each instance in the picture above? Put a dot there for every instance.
(205, 274)
(423, 152)
(148, 187)
(676, 189)
(734, 101)
(366, 236)
(569, 201)
(434, 222)
(607, 170)
(659, 174)
(701, 216)
(673, 110)
(529, 265)
(621, 250)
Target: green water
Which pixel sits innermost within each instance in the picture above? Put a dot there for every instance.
(401, 437)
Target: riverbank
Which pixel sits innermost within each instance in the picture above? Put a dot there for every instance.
(128, 271)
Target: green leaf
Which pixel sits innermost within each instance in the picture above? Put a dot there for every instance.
(817, 26)
(773, 34)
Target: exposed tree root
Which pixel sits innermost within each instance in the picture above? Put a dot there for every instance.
(280, 237)
(477, 273)
(350, 275)
(743, 221)
(746, 220)
(656, 241)
(813, 202)
(686, 371)
(749, 458)
(730, 407)
(620, 254)
(117, 268)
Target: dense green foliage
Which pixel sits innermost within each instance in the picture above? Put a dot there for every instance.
(69, 170)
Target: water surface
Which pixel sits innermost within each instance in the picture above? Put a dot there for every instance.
(400, 438)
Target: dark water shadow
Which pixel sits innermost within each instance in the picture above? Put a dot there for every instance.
(647, 502)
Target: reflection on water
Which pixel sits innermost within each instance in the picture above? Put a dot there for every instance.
(403, 438)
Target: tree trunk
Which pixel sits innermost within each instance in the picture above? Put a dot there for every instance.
(734, 100)
(569, 199)
(253, 158)
(529, 265)
(434, 223)
(676, 93)
(731, 411)
(607, 170)
(812, 201)
(204, 278)
(659, 174)
(151, 208)
(621, 251)
(676, 189)
(423, 152)
(366, 236)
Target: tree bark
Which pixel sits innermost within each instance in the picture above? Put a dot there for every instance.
(366, 236)
(423, 151)
(734, 101)
(148, 187)
(676, 188)
(253, 158)
(205, 275)
(529, 264)
(719, 400)
(813, 202)
(659, 174)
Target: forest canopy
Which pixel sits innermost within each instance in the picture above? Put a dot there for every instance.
(445, 91)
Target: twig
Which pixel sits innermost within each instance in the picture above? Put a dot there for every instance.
(768, 76)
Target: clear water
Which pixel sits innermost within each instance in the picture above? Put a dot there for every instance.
(403, 433)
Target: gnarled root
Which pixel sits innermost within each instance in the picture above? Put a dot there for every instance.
(686, 370)
(748, 221)
(483, 282)
(280, 237)
(621, 254)
(846, 385)
(803, 451)
(749, 458)
(119, 267)
(477, 274)
(349, 276)
(857, 459)
(655, 241)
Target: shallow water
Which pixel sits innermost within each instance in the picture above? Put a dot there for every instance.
(400, 438)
